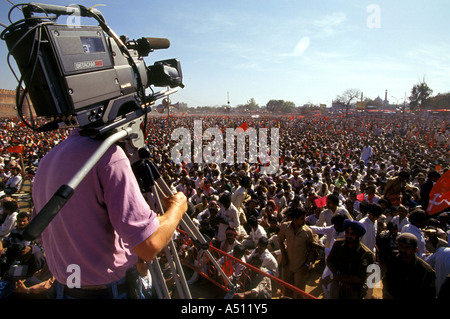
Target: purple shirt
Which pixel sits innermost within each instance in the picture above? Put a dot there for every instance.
(106, 216)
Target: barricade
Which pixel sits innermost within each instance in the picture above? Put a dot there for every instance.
(191, 257)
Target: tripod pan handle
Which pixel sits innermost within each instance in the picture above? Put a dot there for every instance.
(48, 212)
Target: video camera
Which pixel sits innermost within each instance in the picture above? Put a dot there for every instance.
(84, 76)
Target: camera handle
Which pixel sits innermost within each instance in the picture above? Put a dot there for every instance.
(34, 7)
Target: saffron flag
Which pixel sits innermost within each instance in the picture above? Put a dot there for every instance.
(243, 126)
(321, 202)
(16, 149)
(440, 195)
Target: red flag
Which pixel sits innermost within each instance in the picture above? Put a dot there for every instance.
(228, 268)
(243, 126)
(439, 195)
(360, 197)
(321, 202)
(16, 149)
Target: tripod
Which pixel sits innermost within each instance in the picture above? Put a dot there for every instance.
(132, 134)
(159, 189)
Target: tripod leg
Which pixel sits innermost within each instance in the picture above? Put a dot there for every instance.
(156, 272)
(188, 225)
(155, 281)
(175, 261)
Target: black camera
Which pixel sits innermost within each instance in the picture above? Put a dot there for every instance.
(84, 76)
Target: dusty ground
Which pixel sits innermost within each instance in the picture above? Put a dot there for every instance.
(314, 289)
(204, 289)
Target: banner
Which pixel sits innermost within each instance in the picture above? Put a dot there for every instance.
(439, 195)
(16, 149)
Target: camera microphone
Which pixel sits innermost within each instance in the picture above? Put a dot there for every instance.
(146, 45)
(158, 43)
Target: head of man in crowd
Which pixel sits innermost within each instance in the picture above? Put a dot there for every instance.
(262, 245)
(403, 176)
(332, 202)
(298, 216)
(338, 222)
(231, 235)
(407, 247)
(375, 211)
(225, 199)
(418, 217)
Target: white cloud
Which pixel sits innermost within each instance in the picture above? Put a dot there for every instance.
(330, 20)
(301, 47)
(330, 24)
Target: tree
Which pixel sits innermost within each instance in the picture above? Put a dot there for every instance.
(280, 106)
(251, 105)
(420, 94)
(440, 101)
(347, 98)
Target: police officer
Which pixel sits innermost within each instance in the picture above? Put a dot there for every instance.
(348, 261)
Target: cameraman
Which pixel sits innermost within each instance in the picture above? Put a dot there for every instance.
(105, 226)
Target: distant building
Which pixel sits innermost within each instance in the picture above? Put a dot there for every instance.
(8, 104)
(378, 101)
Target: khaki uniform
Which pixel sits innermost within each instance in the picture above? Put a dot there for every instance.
(298, 245)
(349, 261)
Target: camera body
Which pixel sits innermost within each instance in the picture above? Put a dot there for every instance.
(77, 76)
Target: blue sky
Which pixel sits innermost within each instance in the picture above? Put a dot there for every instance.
(299, 51)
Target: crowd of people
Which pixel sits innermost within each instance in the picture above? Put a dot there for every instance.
(349, 192)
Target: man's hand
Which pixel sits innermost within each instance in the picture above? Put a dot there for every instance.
(176, 207)
(178, 201)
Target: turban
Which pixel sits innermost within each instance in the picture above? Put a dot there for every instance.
(357, 227)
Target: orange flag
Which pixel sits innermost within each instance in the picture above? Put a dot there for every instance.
(440, 195)
(16, 149)
(243, 126)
